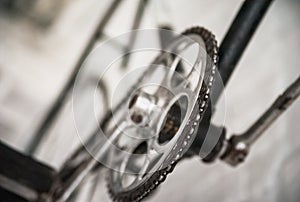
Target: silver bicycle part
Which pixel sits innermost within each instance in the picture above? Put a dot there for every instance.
(162, 115)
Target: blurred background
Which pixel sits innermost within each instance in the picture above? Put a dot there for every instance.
(41, 41)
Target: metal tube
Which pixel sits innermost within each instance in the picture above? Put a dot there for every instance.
(239, 34)
(238, 146)
(231, 49)
(280, 105)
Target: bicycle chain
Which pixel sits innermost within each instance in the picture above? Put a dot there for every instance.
(159, 176)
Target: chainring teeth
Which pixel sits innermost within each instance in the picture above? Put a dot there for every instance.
(139, 193)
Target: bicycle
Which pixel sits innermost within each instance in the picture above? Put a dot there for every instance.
(59, 186)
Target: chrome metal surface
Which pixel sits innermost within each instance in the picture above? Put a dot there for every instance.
(162, 116)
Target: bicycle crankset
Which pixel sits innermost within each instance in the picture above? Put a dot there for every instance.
(161, 116)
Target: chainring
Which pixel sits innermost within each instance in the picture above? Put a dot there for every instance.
(188, 133)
